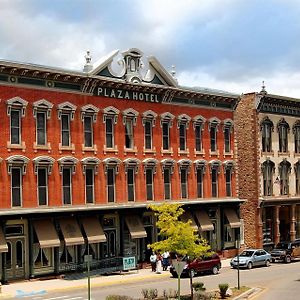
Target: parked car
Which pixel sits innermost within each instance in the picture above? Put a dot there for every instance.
(286, 251)
(211, 263)
(251, 258)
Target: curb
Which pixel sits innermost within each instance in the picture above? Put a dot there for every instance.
(249, 294)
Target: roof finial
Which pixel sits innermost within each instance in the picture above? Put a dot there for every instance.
(88, 65)
(173, 71)
(263, 88)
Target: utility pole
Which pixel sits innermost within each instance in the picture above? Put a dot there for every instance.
(88, 268)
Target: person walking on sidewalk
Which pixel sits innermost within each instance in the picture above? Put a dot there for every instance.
(165, 260)
(158, 264)
(153, 259)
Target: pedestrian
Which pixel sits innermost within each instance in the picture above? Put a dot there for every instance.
(158, 264)
(165, 260)
(153, 259)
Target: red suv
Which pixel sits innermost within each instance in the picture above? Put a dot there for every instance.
(199, 265)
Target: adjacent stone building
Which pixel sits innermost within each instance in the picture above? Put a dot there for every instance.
(268, 139)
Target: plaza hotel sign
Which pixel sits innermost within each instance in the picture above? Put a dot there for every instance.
(127, 95)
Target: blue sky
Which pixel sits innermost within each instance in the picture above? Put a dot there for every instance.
(224, 44)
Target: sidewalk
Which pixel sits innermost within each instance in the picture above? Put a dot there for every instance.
(40, 287)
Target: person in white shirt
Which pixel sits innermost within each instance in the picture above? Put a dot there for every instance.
(165, 260)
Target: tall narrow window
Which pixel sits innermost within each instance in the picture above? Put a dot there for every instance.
(15, 127)
(65, 130)
(284, 171)
(184, 183)
(182, 137)
(296, 130)
(66, 185)
(42, 178)
(88, 131)
(148, 135)
(283, 131)
(109, 133)
(41, 135)
(16, 187)
(213, 138)
(227, 139)
(167, 183)
(89, 185)
(297, 173)
(130, 184)
(214, 183)
(166, 136)
(228, 182)
(200, 174)
(129, 141)
(198, 137)
(266, 135)
(268, 170)
(149, 183)
(110, 183)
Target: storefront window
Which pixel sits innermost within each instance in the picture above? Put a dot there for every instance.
(297, 225)
(268, 225)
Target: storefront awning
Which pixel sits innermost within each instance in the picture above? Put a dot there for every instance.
(188, 216)
(3, 244)
(232, 217)
(46, 233)
(204, 221)
(135, 227)
(71, 232)
(93, 230)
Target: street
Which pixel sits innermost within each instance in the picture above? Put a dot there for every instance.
(281, 281)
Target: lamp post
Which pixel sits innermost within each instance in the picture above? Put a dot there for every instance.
(238, 261)
(88, 269)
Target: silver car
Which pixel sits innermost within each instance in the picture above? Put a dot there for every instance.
(251, 258)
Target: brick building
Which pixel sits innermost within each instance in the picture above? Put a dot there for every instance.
(268, 135)
(84, 153)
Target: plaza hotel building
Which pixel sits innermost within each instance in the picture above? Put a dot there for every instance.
(83, 154)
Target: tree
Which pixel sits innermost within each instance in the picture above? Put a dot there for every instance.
(177, 236)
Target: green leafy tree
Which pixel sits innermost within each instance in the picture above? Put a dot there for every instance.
(177, 236)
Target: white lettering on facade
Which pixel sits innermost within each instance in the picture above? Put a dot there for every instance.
(120, 94)
(134, 95)
(127, 95)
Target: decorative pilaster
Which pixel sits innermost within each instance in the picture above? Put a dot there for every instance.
(293, 222)
(277, 223)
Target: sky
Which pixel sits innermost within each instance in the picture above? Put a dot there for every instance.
(230, 45)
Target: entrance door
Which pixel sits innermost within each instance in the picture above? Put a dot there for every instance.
(15, 258)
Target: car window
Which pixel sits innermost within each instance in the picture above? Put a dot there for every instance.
(282, 246)
(246, 253)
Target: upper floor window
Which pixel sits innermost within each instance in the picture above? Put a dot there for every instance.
(183, 124)
(297, 173)
(16, 165)
(16, 108)
(67, 167)
(266, 128)
(214, 171)
(129, 120)
(284, 169)
(228, 125)
(228, 170)
(131, 169)
(41, 112)
(213, 129)
(42, 169)
(283, 131)
(296, 131)
(111, 170)
(110, 117)
(200, 168)
(149, 122)
(150, 170)
(66, 112)
(167, 169)
(89, 116)
(90, 169)
(166, 120)
(198, 123)
(184, 169)
(268, 168)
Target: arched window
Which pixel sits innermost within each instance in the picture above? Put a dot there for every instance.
(296, 131)
(283, 131)
(297, 175)
(184, 170)
(200, 167)
(268, 168)
(215, 167)
(284, 172)
(266, 128)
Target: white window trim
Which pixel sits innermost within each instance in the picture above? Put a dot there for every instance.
(36, 129)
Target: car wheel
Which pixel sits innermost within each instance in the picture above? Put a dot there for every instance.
(267, 264)
(250, 265)
(288, 259)
(192, 273)
(215, 270)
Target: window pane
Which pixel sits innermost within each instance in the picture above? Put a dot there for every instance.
(182, 133)
(167, 184)
(227, 139)
(183, 180)
(130, 184)
(16, 186)
(66, 186)
(129, 133)
(213, 146)
(42, 186)
(41, 128)
(89, 185)
(148, 135)
(110, 184)
(149, 184)
(198, 144)
(228, 183)
(214, 183)
(199, 183)
(166, 137)
(15, 127)
(65, 130)
(88, 136)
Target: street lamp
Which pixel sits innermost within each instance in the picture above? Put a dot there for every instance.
(238, 261)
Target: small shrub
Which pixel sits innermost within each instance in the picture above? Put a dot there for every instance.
(203, 296)
(150, 293)
(117, 297)
(223, 287)
(170, 294)
(198, 286)
(145, 293)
